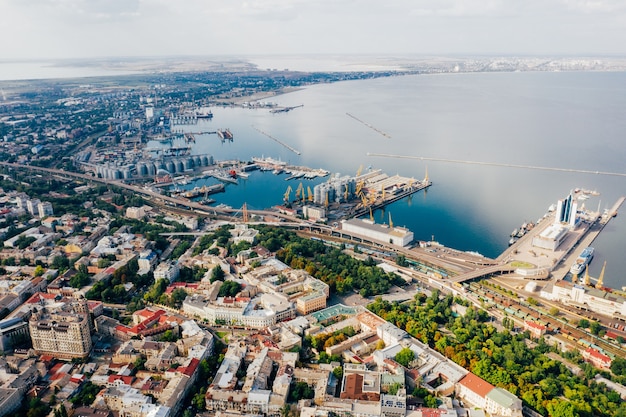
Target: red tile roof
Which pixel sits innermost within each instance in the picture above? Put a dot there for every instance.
(128, 380)
(476, 384)
(534, 325)
(597, 355)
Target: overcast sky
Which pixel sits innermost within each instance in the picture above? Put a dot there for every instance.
(42, 29)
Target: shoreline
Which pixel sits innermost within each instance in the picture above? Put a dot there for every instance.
(264, 95)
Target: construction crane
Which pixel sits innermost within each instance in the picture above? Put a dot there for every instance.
(244, 211)
(587, 280)
(359, 187)
(600, 282)
(300, 193)
(287, 194)
(364, 200)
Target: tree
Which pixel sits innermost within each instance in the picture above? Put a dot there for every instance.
(595, 327)
(198, 400)
(338, 372)
(61, 263)
(401, 261)
(217, 274)
(430, 401)
(393, 388)
(229, 289)
(301, 390)
(561, 408)
(405, 356)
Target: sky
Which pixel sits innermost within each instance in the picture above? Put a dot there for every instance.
(54, 29)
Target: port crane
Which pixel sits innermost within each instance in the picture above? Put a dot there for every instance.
(300, 193)
(287, 194)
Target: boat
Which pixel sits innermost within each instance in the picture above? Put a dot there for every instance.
(224, 177)
(277, 171)
(514, 232)
(243, 174)
(212, 189)
(204, 115)
(582, 261)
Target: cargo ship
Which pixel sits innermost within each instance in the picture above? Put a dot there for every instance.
(582, 261)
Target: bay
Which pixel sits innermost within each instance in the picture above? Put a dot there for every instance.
(571, 120)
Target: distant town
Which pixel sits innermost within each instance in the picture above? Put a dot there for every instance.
(123, 294)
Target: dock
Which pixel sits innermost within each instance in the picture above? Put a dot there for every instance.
(558, 262)
(358, 212)
(285, 109)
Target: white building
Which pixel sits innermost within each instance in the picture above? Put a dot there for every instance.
(314, 213)
(399, 236)
(135, 213)
(588, 298)
(551, 237)
(240, 311)
(241, 233)
(169, 271)
(45, 209)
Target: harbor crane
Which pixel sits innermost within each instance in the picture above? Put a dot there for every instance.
(309, 193)
(300, 193)
(287, 194)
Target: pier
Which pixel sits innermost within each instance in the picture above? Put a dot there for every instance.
(388, 136)
(297, 152)
(358, 212)
(285, 109)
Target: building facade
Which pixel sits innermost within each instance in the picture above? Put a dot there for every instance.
(63, 335)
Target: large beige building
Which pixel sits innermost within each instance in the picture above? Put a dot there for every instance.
(311, 302)
(65, 335)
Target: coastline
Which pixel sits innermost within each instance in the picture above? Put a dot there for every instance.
(263, 95)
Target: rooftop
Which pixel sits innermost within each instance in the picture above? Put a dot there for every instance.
(476, 384)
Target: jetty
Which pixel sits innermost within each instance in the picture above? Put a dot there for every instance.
(297, 152)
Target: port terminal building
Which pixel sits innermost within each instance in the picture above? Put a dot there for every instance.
(565, 220)
(399, 236)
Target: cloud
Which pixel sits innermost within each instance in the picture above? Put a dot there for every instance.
(78, 28)
(594, 6)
